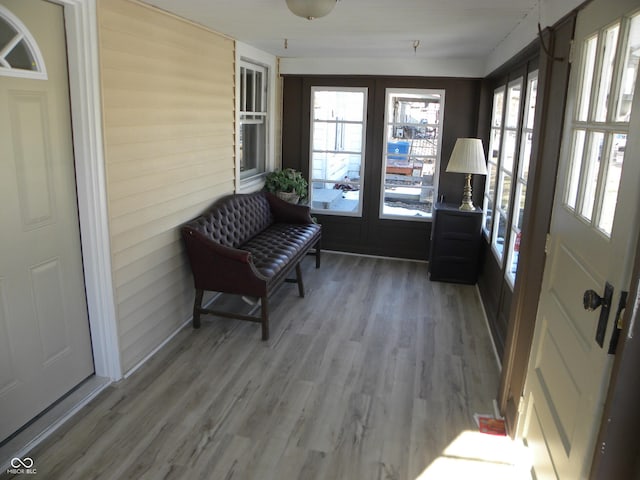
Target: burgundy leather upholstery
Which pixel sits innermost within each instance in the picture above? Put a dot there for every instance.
(247, 244)
(274, 248)
(235, 219)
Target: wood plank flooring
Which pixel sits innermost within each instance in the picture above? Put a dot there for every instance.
(371, 376)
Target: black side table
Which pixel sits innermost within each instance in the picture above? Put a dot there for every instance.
(455, 244)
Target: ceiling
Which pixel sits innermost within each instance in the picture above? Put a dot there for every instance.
(445, 29)
(454, 30)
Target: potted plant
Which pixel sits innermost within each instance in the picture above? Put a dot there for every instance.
(288, 184)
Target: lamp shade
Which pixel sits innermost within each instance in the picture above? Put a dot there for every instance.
(468, 157)
(311, 9)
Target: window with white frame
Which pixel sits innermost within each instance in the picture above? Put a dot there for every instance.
(508, 152)
(338, 129)
(495, 143)
(253, 119)
(510, 145)
(413, 137)
(526, 142)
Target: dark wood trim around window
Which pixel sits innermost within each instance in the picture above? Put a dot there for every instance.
(553, 78)
(369, 234)
(496, 292)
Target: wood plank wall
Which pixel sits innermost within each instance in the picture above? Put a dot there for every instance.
(168, 106)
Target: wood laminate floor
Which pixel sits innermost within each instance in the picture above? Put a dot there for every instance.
(376, 374)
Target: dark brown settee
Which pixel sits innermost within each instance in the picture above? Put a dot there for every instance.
(247, 244)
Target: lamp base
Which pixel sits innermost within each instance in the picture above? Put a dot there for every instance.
(467, 203)
(467, 207)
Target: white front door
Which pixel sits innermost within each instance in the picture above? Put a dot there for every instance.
(593, 228)
(45, 347)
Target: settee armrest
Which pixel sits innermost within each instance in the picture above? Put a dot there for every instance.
(219, 268)
(286, 212)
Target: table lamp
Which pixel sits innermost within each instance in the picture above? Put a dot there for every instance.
(468, 158)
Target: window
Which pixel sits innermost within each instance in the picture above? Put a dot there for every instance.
(19, 52)
(505, 168)
(413, 133)
(492, 161)
(510, 145)
(252, 141)
(601, 122)
(526, 141)
(338, 126)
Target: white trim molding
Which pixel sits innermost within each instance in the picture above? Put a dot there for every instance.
(251, 54)
(84, 86)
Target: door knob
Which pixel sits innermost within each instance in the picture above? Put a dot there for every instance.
(591, 300)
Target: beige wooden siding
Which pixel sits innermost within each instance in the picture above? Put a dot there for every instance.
(168, 103)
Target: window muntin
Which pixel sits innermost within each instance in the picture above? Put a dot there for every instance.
(495, 141)
(254, 123)
(20, 55)
(526, 142)
(337, 144)
(508, 152)
(599, 130)
(411, 155)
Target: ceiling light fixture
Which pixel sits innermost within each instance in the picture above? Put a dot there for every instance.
(311, 9)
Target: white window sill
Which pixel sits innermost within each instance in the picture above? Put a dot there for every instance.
(252, 184)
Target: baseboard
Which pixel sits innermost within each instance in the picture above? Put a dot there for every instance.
(141, 363)
(352, 254)
(486, 321)
(59, 413)
(138, 365)
(47, 423)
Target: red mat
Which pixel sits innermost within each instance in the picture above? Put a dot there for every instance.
(492, 426)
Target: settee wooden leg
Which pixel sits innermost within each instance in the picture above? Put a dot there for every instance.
(299, 280)
(264, 310)
(318, 254)
(197, 304)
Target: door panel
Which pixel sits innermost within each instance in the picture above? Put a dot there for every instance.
(45, 348)
(32, 156)
(568, 371)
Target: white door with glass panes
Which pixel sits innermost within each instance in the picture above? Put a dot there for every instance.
(593, 230)
(45, 347)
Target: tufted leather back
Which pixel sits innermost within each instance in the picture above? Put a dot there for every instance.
(235, 219)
